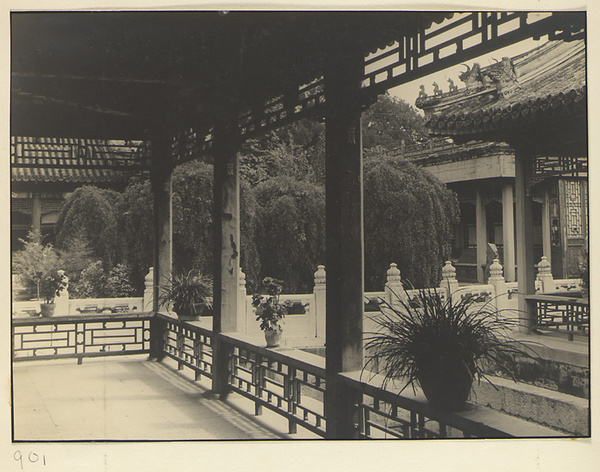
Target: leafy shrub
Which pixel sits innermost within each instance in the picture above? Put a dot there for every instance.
(36, 266)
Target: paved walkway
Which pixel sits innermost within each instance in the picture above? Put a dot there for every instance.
(125, 398)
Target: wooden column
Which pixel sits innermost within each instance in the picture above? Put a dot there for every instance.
(481, 229)
(163, 214)
(546, 236)
(508, 232)
(226, 243)
(524, 223)
(344, 240)
(36, 212)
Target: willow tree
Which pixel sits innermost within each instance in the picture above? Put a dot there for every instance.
(409, 220)
(193, 226)
(290, 231)
(89, 217)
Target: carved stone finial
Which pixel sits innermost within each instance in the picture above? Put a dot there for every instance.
(320, 275)
(149, 279)
(448, 271)
(496, 269)
(393, 273)
(544, 268)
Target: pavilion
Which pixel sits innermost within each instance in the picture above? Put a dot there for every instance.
(202, 82)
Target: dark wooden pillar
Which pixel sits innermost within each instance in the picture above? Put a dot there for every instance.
(226, 243)
(162, 165)
(524, 221)
(36, 212)
(344, 240)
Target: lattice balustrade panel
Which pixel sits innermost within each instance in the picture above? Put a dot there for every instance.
(85, 338)
(382, 420)
(190, 346)
(570, 317)
(290, 388)
(396, 413)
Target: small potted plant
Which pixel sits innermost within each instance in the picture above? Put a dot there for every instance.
(49, 287)
(36, 265)
(189, 293)
(269, 311)
(442, 345)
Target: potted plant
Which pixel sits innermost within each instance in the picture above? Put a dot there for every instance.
(189, 293)
(48, 289)
(269, 311)
(442, 345)
(36, 265)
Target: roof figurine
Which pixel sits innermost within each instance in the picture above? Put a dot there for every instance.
(501, 74)
(453, 88)
(472, 76)
(437, 91)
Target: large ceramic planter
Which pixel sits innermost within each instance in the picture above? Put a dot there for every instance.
(446, 383)
(47, 309)
(272, 337)
(189, 314)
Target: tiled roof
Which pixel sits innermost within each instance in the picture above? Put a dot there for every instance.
(76, 161)
(550, 83)
(79, 176)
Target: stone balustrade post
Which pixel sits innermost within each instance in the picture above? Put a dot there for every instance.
(449, 281)
(544, 276)
(394, 291)
(497, 280)
(243, 313)
(319, 309)
(148, 304)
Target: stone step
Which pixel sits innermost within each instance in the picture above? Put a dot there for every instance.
(559, 365)
(549, 408)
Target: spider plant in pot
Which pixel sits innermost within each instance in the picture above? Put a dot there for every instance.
(441, 344)
(269, 311)
(189, 293)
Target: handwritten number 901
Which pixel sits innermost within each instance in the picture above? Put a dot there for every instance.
(32, 457)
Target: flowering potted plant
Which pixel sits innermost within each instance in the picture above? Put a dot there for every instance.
(269, 311)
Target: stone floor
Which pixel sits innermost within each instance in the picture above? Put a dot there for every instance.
(127, 398)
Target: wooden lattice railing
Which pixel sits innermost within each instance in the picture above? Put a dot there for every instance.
(80, 336)
(570, 316)
(386, 414)
(288, 382)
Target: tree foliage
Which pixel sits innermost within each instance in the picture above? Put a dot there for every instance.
(192, 222)
(296, 150)
(409, 218)
(136, 228)
(408, 214)
(90, 215)
(290, 230)
(389, 121)
(36, 264)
